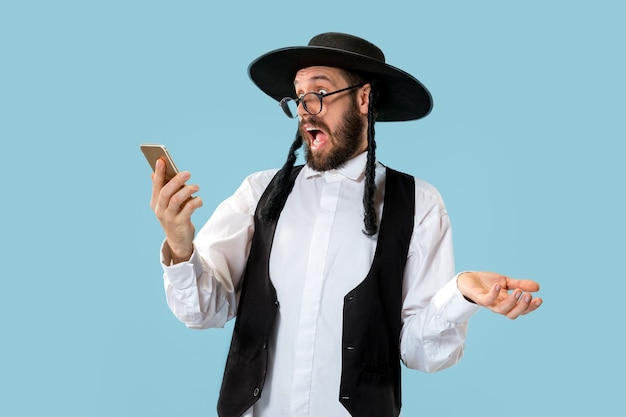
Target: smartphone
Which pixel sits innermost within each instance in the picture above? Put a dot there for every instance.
(154, 152)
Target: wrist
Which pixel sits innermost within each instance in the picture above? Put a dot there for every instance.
(176, 260)
(460, 286)
(469, 299)
(177, 256)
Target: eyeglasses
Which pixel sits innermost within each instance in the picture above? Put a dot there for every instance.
(311, 102)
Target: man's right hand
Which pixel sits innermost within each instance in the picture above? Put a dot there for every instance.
(173, 204)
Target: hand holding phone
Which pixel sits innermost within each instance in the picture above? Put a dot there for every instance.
(179, 230)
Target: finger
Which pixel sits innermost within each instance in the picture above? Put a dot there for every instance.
(190, 205)
(170, 189)
(522, 284)
(492, 298)
(534, 305)
(524, 306)
(504, 304)
(177, 182)
(183, 196)
(158, 178)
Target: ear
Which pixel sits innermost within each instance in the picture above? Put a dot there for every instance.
(363, 98)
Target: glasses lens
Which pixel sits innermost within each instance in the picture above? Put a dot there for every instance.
(312, 103)
(289, 106)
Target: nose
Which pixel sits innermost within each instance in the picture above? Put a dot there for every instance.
(300, 109)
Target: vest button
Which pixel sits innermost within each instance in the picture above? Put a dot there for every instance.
(350, 348)
(256, 392)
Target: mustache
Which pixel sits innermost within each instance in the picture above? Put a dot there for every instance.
(315, 122)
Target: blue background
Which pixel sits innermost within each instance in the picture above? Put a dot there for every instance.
(524, 143)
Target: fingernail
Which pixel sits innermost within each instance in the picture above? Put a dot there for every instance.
(518, 295)
(527, 298)
(498, 287)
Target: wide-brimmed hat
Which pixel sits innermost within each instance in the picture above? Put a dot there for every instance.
(401, 96)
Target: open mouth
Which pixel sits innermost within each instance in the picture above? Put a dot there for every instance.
(317, 137)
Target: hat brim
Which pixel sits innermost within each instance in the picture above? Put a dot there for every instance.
(401, 96)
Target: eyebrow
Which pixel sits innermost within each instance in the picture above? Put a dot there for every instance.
(316, 78)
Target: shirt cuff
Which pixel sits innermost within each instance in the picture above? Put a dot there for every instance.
(184, 274)
(452, 304)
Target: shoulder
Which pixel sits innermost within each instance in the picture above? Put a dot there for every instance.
(429, 205)
(424, 191)
(246, 197)
(257, 182)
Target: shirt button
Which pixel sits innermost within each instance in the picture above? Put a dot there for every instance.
(256, 392)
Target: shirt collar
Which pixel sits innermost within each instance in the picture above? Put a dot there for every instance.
(353, 169)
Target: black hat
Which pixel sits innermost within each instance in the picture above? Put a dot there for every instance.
(401, 96)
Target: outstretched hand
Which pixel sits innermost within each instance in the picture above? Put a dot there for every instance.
(500, 294)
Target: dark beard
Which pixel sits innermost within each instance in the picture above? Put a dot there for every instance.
(347, 141)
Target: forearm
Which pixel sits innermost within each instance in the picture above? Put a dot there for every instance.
(196, 295)
(433, 338)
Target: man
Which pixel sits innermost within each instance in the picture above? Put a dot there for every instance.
(337, 270)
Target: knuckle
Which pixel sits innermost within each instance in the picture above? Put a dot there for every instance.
(175, 200)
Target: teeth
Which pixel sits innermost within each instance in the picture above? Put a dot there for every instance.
(311, 129)
(315, 140)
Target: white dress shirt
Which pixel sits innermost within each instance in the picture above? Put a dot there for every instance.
(319, 254)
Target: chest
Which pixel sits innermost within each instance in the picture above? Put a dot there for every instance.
(319, 248)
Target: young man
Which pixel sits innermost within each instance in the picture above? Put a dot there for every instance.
(337, 270)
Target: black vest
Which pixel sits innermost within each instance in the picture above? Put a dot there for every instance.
(370, 378)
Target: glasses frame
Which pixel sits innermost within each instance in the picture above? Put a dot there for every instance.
(284, 102)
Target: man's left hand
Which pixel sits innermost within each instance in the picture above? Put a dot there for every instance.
(499, 293)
